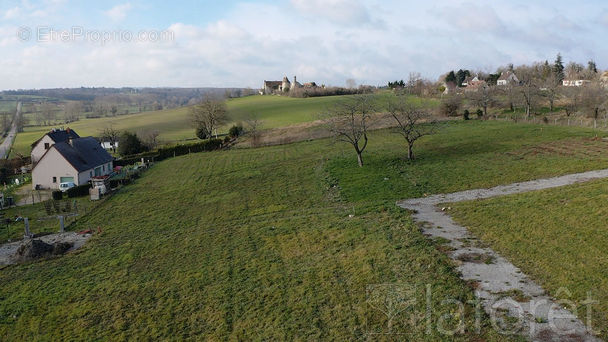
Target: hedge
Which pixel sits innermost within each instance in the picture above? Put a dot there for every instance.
(171, 151)
(57, 195)
(78, 191)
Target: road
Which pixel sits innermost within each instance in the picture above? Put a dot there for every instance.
(5, 147)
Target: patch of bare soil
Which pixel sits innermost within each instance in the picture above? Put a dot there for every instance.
(41, 247)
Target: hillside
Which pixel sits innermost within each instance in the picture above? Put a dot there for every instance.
(175, 125)
(260, 243)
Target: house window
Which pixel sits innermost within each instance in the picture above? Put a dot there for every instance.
(103, 168)
(46, 146)
(54, 179)
(90, 173)
(97, 172)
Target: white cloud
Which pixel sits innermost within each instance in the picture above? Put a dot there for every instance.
(119, 12)
(322, 41)
(340, 11)
(12, 13)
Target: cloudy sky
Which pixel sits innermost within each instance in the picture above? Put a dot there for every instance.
(232, 43)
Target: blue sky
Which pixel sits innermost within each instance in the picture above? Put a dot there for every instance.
(240, 43)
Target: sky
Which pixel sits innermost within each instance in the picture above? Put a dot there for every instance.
(233, 43)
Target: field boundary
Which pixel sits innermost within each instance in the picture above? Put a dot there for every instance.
(503, 289)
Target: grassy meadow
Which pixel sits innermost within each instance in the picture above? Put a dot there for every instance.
(558, 236)
(278, 243)
(175, 124)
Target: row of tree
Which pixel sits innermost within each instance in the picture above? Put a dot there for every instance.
(350, 120)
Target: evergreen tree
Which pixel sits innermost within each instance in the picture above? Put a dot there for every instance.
(558, 67)
(451, 77)
(592, 66)
(461, 75)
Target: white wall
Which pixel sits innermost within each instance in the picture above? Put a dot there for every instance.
(52, 165)
(39, 149)
(85, 176)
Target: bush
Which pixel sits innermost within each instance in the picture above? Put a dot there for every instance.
(57, 195)
(466, 114)
(235, 131)
(171, 151)
(78, 191)
(450, 105)
(201, 132)
(180, 150)
(479, 113)
(130, 143)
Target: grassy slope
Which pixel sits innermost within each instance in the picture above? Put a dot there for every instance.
(257, 244)
(467, 155)
(174, 124)
(558, 236)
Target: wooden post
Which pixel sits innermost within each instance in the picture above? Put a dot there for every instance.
(28, 234)
(61, 224)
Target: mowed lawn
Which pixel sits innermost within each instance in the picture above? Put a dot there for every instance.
(175, 124)
(558, 236)
(259, 244)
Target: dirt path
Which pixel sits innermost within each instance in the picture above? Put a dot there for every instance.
(503, 289)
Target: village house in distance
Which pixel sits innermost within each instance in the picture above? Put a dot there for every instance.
(62, 156)
(284, 86)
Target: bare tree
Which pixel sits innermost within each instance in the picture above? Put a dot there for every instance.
(253, 130)
(550, 88)
(593, 100)
(528, 89)
(351, 83)
(412, 123)
(47, 113)
(349, 121)
(73, 111)
(484, 97)
(207, 116)
(111, 135)
(149, 138)
(6, 122)
(572, 100)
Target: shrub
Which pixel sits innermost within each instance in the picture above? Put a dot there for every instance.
(479, 113)
(201, 132)
(57, 195)
(466, 114)
(235, 131)
(180, 150)
(450, 105)
(130, 143)
(171, 151)
(78, 191)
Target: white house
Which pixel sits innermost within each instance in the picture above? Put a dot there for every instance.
(507, 77)
(76, 160)
(575, 82)
(40, 146)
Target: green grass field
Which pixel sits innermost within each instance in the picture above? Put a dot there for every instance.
(258, 244)
(558, 236)
(175, 125)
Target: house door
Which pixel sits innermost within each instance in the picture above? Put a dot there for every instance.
(66, 179)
